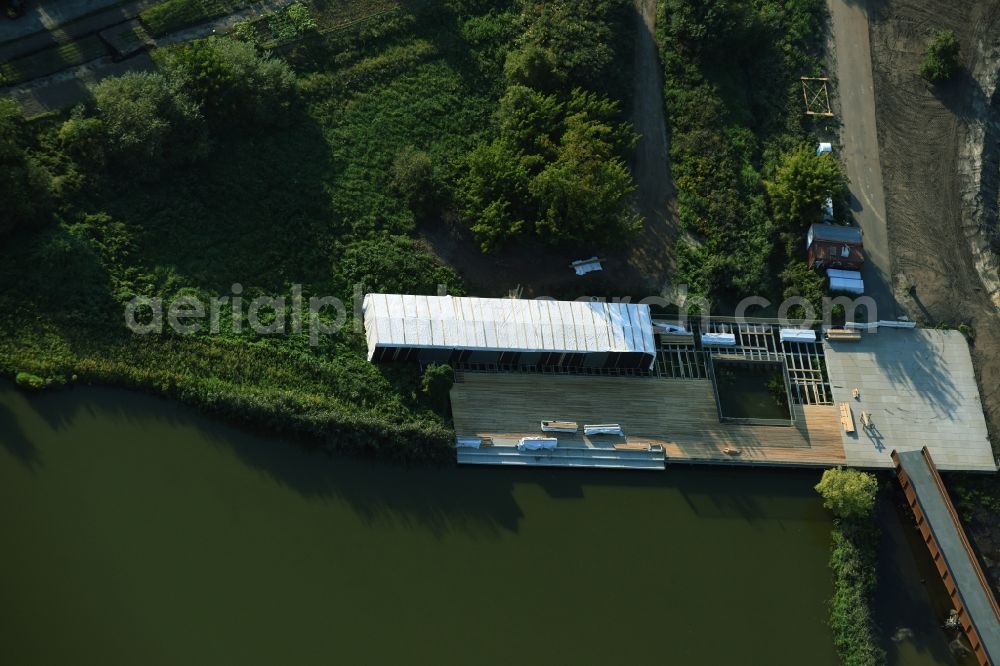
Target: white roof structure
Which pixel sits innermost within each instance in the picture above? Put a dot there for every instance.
(505, 324)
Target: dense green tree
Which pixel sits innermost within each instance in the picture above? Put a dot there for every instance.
(25, 185)
(534, 66)
(236, 85)
(555, 172)
(148, 122)
(494, 191)
(941, 57)
(530, 119)
(581, 194)
(801, 184)
(849, 493)
(565, 45)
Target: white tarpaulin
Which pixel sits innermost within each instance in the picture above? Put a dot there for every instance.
(584, 266)
(506, 324)
(536, 443)
(718, 339)
(847, 281)
(797, 335)
(823, 149)
(603, 429)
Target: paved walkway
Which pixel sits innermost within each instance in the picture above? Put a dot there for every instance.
(856, 92)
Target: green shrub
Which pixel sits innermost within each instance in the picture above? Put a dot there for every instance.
(393, 264)
(414, 179)
(853, 561)
(82, 138)
(801, 281)
(26, 380)
(299, 14)
(436, 387)
(940, 61)
(728, 128)
(849, 493)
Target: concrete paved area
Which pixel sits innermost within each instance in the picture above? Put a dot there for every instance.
(920, 389)
(856, 92)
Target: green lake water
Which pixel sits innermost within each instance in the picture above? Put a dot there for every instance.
(135, 531)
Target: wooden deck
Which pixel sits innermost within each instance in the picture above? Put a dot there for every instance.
(678, 414)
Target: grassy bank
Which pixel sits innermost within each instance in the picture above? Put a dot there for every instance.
(850, 495)
(853, 563)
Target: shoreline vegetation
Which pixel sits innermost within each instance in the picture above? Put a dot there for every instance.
(317, 163)
(851, 495)
(325, 166)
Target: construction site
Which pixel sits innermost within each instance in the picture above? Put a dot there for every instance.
(589, 384)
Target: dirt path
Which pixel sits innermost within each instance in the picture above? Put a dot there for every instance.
(921, 130)
(856, 94)
(652, 254)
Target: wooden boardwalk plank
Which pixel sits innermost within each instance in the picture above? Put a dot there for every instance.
(679, 415)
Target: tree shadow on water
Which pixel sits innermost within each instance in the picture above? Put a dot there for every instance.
(13, 438)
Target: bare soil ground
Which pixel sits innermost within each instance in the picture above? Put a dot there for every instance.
(921, 131)
(940, 185)
(652, 252)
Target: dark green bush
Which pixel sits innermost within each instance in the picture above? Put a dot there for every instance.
(801, 183)
(555, 172)
(25, 184)
(26, 380)
(415, 180)
(940, 61)
(148, 123)
(436, 387)
(235, 84)
(393, 264)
